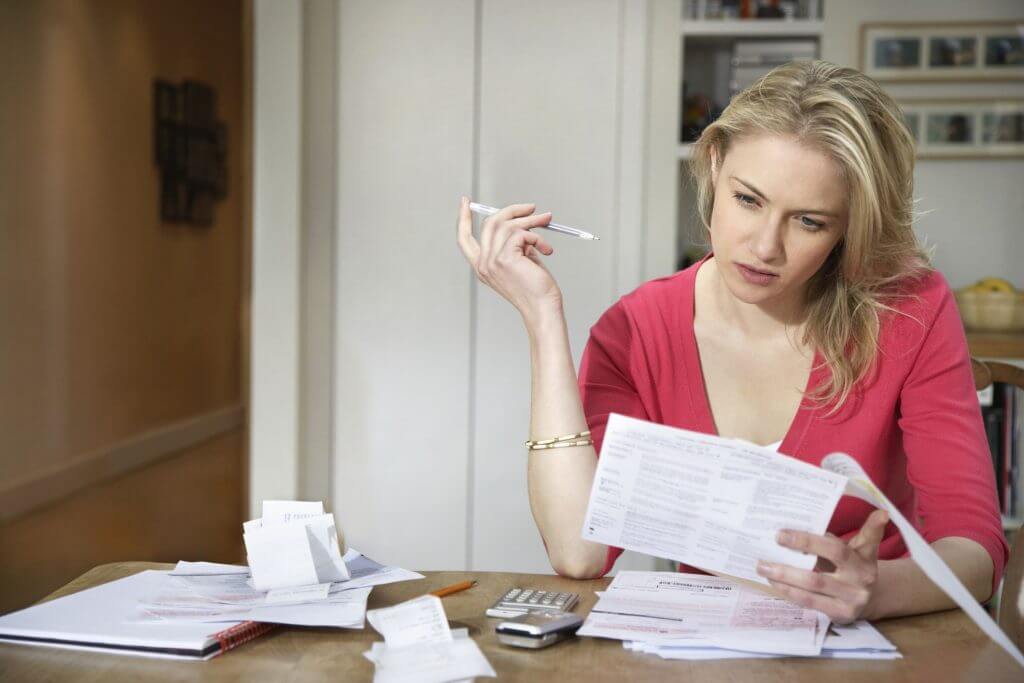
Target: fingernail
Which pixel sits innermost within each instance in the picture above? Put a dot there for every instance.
(764, 568)
(784, 537)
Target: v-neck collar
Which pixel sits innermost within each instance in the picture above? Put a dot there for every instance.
(698, 389)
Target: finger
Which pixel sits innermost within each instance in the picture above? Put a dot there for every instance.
(823, 565)
(831, 548)
(529, 222)
(835, 609)
(487, 248)
(814, 582)
(503, 232)
(867, 540)
(534, 255)
(524, 240)
(464, 233)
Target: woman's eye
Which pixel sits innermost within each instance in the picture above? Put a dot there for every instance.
(811, 225)
(745, 199)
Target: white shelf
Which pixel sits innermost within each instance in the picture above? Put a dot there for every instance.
(1012, 523)
(685, 151)
(749, 28)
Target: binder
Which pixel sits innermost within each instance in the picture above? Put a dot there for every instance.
(104, 619)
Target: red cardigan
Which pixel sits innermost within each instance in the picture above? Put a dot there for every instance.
(914, 424)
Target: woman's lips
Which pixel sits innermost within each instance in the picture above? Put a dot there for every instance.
(756, 277)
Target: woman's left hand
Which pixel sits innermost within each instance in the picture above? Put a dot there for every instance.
(846, 592)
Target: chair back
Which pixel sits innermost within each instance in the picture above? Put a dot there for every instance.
(1011, 602)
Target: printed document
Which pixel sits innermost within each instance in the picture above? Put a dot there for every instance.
(713, 503)
(695, 610)
(859, 640)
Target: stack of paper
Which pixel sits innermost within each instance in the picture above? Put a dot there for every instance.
(207, 592)
(860, 640)
(101, 619)
(419, 646)
(703, 612)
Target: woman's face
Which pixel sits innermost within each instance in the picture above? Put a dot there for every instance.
(780, 208)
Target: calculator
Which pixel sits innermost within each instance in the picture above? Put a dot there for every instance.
(518, 601)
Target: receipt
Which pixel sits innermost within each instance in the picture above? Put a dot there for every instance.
(419, 647)
(421, 620)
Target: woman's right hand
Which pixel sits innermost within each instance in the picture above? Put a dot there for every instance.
(507, 257)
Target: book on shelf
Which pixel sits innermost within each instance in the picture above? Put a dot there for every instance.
(1002, 411)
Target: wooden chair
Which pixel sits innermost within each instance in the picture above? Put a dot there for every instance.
(1011, 611)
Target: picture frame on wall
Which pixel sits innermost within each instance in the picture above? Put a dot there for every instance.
(966, 129)
(949, 51)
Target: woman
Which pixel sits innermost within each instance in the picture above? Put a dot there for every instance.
(815, 325)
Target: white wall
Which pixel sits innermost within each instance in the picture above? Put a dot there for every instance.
(550, 133)
(504, 101)
(274, 332)
(974, 208)
(399, 108)
(402, 314)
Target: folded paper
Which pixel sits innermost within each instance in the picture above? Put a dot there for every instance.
(295, 543)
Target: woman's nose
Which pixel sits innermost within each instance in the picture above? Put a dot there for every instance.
(766, 242)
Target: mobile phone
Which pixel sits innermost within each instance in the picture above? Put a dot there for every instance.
(538, 629)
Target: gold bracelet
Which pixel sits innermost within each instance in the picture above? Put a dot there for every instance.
(558, 439)
(561, 444)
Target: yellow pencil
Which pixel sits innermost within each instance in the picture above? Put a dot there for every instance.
(454, 588)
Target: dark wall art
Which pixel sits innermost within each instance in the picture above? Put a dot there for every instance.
(190, 148)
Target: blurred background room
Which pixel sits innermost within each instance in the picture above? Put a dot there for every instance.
(228, 259)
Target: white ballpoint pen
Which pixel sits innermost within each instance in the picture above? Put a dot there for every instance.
(485, 210)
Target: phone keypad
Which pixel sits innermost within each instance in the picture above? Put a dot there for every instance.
(529, 599)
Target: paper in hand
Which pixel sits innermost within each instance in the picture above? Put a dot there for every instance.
(710, 502)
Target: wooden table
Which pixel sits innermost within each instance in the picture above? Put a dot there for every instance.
(937, 647)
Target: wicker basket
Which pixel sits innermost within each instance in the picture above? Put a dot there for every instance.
(991, 311)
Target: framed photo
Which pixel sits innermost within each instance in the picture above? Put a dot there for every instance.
(943, 52)
(966, 129)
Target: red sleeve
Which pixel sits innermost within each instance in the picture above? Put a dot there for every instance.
(606, 381)
(948, 460)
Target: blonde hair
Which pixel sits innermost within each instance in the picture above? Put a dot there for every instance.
(847, 116)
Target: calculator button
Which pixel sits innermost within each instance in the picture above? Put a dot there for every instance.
(512, 593)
